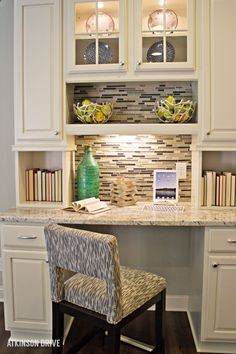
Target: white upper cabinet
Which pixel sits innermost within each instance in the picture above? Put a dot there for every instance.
(95, 36)
(218, 70)
(164, 34)
(38, 86)
(128, 38)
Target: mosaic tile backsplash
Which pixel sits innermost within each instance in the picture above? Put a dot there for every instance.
(133, 101)
(136, 157)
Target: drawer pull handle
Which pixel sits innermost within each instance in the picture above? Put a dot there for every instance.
(231, 241)
(26, 237)
(214, 265)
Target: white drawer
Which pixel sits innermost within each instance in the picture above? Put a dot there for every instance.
(222, 240)
(23, 236)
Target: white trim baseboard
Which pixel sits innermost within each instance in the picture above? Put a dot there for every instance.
(1, 286)
(175, 303)
(211, 346)
(1, 294)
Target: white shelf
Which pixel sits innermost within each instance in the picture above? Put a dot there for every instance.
(37, 204)
(153, 34)
(131, 129)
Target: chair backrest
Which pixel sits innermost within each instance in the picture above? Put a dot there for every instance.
(90, 253)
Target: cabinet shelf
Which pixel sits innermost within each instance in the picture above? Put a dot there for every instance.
(37, 204)
(48, 160)
(148, 34)
(131, 129)
(100, 35)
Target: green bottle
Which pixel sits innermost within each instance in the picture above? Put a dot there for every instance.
(87, 176)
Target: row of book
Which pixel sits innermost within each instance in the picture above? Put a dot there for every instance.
(218, 189)
(43, 185)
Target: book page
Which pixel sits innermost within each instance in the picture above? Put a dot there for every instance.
(81, 204)
(95, 206)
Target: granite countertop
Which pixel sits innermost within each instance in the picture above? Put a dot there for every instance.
(132, 215)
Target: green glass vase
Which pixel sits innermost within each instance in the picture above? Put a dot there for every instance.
(87, 176)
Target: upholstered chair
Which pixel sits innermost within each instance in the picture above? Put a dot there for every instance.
(101, 291)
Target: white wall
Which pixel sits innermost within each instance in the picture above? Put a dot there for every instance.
(7, 182)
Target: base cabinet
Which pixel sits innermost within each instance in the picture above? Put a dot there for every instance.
(27, 302)
(212, 300)
(219, 285)
(219, 315)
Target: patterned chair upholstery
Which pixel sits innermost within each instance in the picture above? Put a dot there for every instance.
(100, 284)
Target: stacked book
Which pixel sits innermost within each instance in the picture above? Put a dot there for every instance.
(218, 189)
(43, 185)
(123, 192)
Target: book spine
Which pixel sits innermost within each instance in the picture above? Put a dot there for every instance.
(27, 185)
(209, 188)
(232, 199)
(205, 191)
(49, 186)
(60, 185)
(202, 190)
(44, 186)
(53, 199)
(223, 190)
(213, 188)
(217, 190)
(32, 173)
(35, 186)
(39, 181)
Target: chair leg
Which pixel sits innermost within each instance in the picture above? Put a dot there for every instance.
(113, 340)
(57, 329)
(160, 323)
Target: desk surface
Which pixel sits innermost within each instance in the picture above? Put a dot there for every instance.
(132, 215)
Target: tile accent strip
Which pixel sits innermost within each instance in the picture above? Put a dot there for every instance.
(136, 157)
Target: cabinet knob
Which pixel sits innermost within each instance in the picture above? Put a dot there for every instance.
(122, 63)
(214, 264)
(139, 63)
(56, 132)
(208, 133)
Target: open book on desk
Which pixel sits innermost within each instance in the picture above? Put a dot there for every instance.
(89, 206)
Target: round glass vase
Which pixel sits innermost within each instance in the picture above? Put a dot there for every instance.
(87, 176)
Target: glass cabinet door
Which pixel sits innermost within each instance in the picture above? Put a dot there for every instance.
(97, 34)
(166, 34)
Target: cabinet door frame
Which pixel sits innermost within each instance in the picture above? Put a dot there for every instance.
(214, 264)
(53, 131)
(8, 276)
(170, 66)
(210, 132)
(70, 67)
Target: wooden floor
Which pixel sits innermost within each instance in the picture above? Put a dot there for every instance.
(178, 336)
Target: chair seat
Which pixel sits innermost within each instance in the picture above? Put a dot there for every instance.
(138, 287)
